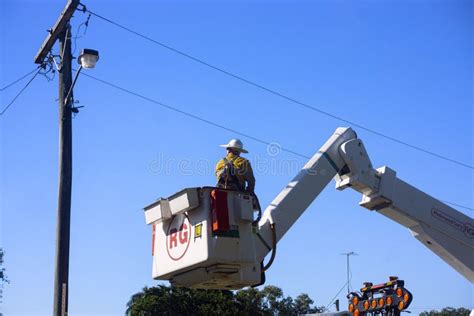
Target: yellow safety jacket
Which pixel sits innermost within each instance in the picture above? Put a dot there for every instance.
(241, 176)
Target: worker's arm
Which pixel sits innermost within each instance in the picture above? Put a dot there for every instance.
(249, 178)
(219, 168)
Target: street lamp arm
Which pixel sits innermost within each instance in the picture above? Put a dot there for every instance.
(66, 99)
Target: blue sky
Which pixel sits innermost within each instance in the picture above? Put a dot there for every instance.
(400, 67)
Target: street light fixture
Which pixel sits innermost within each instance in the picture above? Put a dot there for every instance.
(87, 59)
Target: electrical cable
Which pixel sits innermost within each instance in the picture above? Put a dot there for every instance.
(335, 296)
(21, 91)
(192, 115)
(458, 205)
(48, 67)
(210, 122)
(19, 79)
(274, 248)
(281, 95)
(86, 23)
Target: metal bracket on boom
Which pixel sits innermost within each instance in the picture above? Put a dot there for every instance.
(376, 185)
(361, 176)
(383, 196)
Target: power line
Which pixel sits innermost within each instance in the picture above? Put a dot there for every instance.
(19, 79)
(466, 207)
(77, 36)
(281, 95)
(21, 91)
(335, 296)
(192, 115)
(259, 140)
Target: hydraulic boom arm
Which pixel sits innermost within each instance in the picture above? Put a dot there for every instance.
(446, 231)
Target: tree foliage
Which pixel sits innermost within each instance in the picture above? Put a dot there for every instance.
(447, 311)
(3, 276)
(168, 300)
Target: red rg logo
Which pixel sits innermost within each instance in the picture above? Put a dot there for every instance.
(178, 237)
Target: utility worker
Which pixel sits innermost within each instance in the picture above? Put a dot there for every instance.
(235, 172)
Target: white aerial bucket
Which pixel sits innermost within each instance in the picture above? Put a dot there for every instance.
(204, 238)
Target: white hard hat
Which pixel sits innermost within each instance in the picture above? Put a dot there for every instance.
(235, 144)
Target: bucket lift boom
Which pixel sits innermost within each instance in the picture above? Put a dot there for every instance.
(224, 247)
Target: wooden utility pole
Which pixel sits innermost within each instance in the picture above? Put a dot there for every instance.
(62, 31)
(61, 278)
